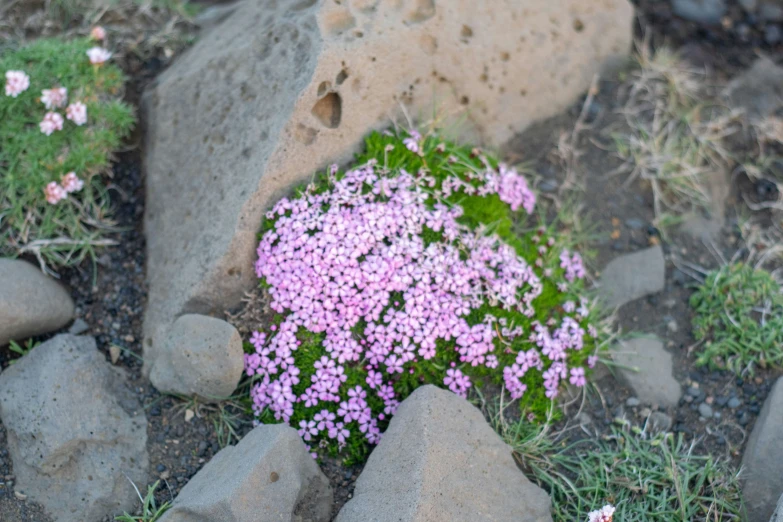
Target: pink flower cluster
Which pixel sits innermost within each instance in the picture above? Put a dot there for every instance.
(55, 192)
(354, 256)
(16, 82)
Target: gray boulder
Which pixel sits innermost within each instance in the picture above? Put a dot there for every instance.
(268, 476)
(777, 516)
(31, 303)
(281, 89)
(76, 434)
(439, 460)
(763, 459)
(645, 365)
(203, 356)
(632, 276)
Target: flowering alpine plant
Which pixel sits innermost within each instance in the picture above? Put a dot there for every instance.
(407, 269)
(61, 119)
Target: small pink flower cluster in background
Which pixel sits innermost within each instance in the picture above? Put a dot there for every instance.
(98, 55)
(335, 260)
(16, 82)
(605, 514)
(98, 33)
(55, 98)
(55, 192)
(52, 121)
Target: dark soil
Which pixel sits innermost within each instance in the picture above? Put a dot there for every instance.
(111, 293)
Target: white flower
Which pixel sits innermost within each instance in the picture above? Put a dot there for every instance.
(77, 113)
(98, 55)
(52, 122)
(16, 82)
(54, 98)
(54, 193)
(71, 183)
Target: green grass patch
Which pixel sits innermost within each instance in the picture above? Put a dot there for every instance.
(738, 316)
(647, 477)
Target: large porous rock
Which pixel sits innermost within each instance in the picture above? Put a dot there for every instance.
(763, 459)
(439, 460)
(632, 276)
(202, 356)
(30, 302)
(269, 476)
(283, 88)
(645, 365)
(76, 433)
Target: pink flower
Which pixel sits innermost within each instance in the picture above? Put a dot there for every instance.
(77, 113)
(578, 377)
(16, 82)
(54, 193)
(98, 33)
(55, 97)
(52, 122)
(71, 183)
(592, 360)
(605, 514)
(98, 55)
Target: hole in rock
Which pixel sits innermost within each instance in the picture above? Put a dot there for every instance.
(329, 110)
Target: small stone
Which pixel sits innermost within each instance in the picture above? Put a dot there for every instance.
(548, 185)
(634, 223)
(114, 353)
(700, 11)
(646, 366)
(645, 412)
(632, 402)
(757, 90)
(693, 391)
(672, 326)
(734, 402)
(19, 495)
(189, 415)
(705, 410)
(659, 421)
(237, 483)
(78, 327)
(633, 276)
(161, 468)
(772, 34)
(721, 401)
(203, 357)
(31, 303)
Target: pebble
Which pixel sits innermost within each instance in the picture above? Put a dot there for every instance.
(548, 185)
(772, 34)
(632, 402)
(744, 419)
(672, 326)
(161, 468)
(694, 391)
(721, 401)
(705, 410)
(634, 223)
